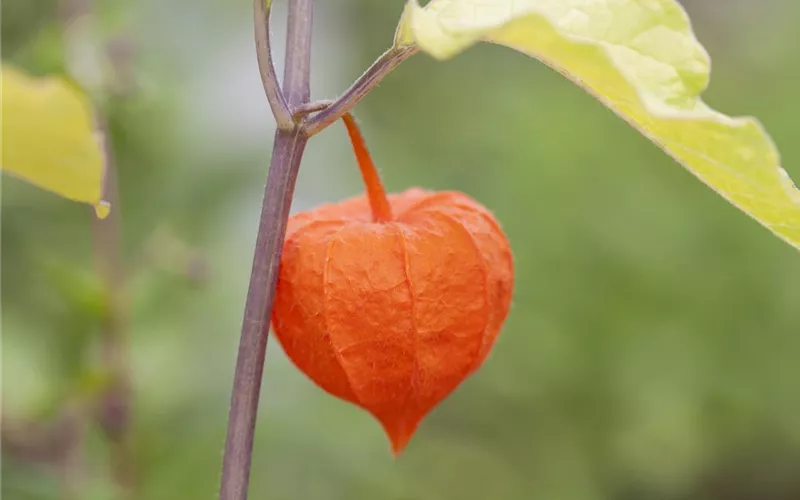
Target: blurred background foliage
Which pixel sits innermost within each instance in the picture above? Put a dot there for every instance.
(652, 349)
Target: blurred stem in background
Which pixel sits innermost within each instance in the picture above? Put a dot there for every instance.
(113, 410)
(112, 405)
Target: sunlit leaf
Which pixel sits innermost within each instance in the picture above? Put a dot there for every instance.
(641, 59)
(48, 137)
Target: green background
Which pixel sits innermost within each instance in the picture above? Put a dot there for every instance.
(653, 346)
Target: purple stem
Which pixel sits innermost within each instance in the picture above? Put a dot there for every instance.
(286, 156)
(280, 109)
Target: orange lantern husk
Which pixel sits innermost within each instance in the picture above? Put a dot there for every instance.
(391, 302)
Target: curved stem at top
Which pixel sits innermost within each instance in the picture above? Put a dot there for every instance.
(381, 210)
(277, 102)
(384, 65)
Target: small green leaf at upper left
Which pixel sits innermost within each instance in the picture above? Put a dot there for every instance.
(48, 138)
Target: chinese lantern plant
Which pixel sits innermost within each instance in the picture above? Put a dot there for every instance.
(381, 261)
(390, 302)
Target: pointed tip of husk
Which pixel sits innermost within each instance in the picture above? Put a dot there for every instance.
(398, 444)
(399, 433)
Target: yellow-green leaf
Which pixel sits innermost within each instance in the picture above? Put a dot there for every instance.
(641, 59)
(48, 137)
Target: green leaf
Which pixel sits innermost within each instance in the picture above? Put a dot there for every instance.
(48, 138)
(641, 60)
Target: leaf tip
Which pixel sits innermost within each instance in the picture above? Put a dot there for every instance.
(102, 209)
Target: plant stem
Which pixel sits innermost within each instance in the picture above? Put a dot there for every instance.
(381, 211)
(72, 469)
(280, 109)
(297, 73)
(286, 156)
(384, 65)
(114, 407)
